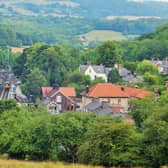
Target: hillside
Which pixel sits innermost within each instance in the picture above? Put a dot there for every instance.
(63, 21)
(78, 8)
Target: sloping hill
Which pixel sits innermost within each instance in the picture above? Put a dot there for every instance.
(92, 8)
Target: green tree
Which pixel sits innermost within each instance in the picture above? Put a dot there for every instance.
(109, 54)
(7, 105)
(68, 134)
(24, 133)
(151, 79)
(155, 142)
(140, 109)
(147, 66)
(35, 80)
(110, 143)
(77, 80)
(114, 76)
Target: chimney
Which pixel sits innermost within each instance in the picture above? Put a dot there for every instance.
(87, 89)
(122, 88)
(55, 86)
(89, 63)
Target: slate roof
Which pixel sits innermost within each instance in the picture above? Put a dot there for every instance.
(97, 68)
(93, 105)
(97, 108)
(124, 72)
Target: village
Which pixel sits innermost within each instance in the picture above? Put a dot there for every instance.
(101, 99)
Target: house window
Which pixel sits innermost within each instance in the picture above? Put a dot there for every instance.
(59, 99)
(90, 71)
(59, 107)
(119, 101)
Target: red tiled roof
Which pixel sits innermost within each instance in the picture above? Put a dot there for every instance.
(111, 90)
(105, 90)
(136, 92)
(68, 91)
(46, 90)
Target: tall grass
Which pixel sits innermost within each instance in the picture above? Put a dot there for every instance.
(23, 164)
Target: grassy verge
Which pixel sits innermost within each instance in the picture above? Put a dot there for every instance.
(24, 164)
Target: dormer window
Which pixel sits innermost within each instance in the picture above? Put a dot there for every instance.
(59, 99)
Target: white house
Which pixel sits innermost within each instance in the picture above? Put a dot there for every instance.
(95, 71)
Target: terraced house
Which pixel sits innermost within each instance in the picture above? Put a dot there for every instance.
(115, 96)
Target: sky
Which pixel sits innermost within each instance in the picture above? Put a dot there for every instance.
(149, 0)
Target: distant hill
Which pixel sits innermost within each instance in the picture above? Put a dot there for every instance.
(83, 8)
(63, 21)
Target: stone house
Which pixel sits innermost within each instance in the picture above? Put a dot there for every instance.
(59, 99)
(115, 95)
(95, 71)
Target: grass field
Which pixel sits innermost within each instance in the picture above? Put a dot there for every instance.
(22, 164)
(103, 35)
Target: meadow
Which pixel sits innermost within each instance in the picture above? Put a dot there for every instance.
(103, 35)
(26, 164)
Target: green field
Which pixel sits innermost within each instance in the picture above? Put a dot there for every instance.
(103, 35)
(21, 164)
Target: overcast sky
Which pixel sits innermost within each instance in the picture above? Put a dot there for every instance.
(150, 0)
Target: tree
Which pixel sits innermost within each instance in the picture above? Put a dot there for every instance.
(24, 133)
(114, 76)
(155, 142)
(147, 66)
(7, 105)
(110, 143)
(68, 134)
(35, 80)
(141, 109)
(151, 79)
(132, 66)
(109, 53)
(77, 80)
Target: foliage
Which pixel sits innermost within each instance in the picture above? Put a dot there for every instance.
(110, 144)
(146, 67)
(109, 54)
(52, 62)
(150, 78)
(7, 105)
(79, 81)
(147, 46)
(141, 109)
(132, 66)
(68, 134)
(156, 137)
(35, 80)
(24, 134)
(114, 76)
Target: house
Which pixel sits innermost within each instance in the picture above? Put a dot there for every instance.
(106, 92)
(95, 71)
(58, 99)
(115, 95)
(125, 74)
(103, 108)
(162, 65)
